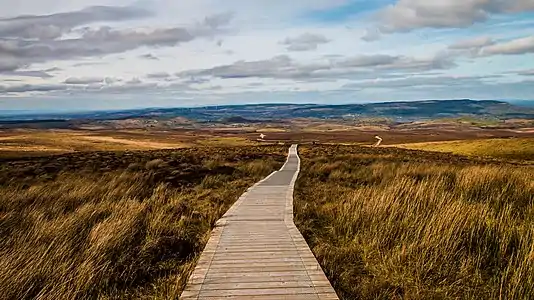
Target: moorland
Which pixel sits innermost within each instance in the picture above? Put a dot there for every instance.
(121, 208)
(116, 225)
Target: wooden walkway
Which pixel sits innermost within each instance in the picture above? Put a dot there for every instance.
(256, 252)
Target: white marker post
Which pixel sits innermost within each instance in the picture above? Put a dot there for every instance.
(378, 142)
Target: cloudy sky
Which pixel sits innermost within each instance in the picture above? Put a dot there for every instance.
(104, 54)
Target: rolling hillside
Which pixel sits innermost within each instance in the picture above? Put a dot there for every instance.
(398, 111)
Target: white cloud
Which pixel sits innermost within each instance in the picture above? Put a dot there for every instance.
(235, 47)
(514, 47)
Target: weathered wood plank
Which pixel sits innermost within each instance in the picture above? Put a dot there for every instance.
(256, 251)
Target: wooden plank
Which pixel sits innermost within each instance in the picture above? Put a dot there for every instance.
(256, 251)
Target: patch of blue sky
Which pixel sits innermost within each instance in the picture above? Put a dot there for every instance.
(346, 12)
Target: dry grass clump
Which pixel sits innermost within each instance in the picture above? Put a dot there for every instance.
(516, 149)
(397, 225)
(132, 233)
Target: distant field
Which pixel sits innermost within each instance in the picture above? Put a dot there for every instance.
(389, 223)
(22, 143)
(61, 141)
(384, 223)
(518, 149)
(116, 225)
(36, 142)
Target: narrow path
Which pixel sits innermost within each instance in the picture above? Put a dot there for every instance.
(257, 252)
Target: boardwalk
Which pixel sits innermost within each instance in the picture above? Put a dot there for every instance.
(256, 252)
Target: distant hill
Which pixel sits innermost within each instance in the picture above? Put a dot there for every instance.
(238, 119)
(400, 111)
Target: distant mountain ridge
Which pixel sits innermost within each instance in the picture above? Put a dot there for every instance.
(400, 111)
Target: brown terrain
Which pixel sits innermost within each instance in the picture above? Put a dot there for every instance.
(443, 211)
(390, 223)
(116, 225)
(131, 135)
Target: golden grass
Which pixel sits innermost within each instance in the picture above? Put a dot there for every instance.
(519, 148)
(20, 143)
(398, 224)
(62, 141)
(134, 232)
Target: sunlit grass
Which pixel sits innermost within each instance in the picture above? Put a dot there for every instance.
(392, 224)
(521, 148)
(134, 232)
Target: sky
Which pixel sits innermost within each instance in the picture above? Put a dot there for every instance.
(76, 55)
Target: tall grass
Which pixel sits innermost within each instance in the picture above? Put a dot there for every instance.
(520, 149)
(390, 226)
(126, 234)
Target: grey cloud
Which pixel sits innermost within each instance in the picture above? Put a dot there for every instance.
(158, 75)
(55, 25)
(305, 42)
(94, 43)
(418, 82)
(475, 43)
(37, 73)
(406, 15)
(265, 68)
(8, 63)
(439, 62)
(111, 80)
(83, 80)
(218, 20)
(526, 72)
(54, 69)
(194, 80)
(371, 35)
(149, 56)
(130, 86)
(283, 67)
(134, 81)
(513, 47)
(212, 25)
(367, 61)
(89, 63)
(32, 88)
(104, 85)
(15, 53)
(113, 86)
